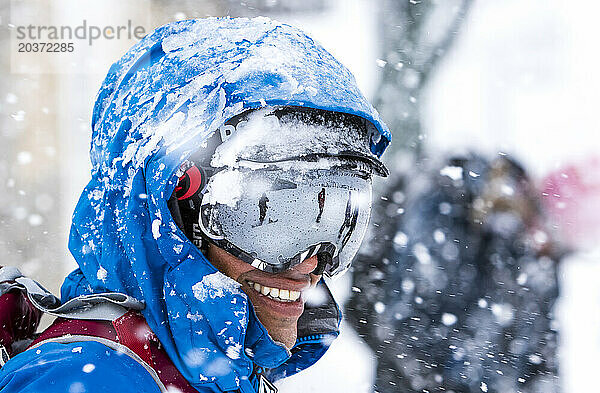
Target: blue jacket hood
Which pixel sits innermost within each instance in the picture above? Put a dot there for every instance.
(157, 105)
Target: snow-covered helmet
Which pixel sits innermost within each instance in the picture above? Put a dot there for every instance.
(276, 186)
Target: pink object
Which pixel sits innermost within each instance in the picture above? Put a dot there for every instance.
(571, 197)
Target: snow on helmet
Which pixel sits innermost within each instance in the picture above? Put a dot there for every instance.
(276, 186)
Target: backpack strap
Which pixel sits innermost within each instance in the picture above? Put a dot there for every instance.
(129, 334)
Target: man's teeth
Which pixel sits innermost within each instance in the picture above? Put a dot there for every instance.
(284, 295)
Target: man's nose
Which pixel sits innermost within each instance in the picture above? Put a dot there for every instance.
(307, 266)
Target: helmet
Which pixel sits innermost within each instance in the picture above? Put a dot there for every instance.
(276, 186)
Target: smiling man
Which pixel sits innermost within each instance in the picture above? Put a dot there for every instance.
(232, 166)
(314, 169)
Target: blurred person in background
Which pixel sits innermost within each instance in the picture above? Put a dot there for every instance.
(458, 290)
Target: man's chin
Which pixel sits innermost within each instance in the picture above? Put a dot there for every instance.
(279, 332)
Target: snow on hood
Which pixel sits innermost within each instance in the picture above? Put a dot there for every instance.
(157, 105)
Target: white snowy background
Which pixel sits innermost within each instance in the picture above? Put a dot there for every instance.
(522, 78)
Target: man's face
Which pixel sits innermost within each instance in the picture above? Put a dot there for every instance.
(276, 297)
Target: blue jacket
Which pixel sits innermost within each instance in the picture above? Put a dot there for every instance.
(157, 105)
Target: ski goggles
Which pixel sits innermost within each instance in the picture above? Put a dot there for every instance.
(276, 217)
(276, 186)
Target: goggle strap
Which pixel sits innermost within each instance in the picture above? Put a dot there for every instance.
(173, 205)
(323, 259)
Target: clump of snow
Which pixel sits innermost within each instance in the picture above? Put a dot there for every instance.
(449, 319)
(195, 317)
(214, 286)
(540, 237)
(535, 359)
(507, 190)
(422, 253)
(101, 274)
(88, 368)
(400, 239)
(225, 188)
(156, 228)
(327, 340)
(218, 367)
(18, 116)
(24, 157)
(35, 220)
(142, 332)
(196, 357)
(453, 172)
(11, 98)
(408, 285)
(445, 208)
(316, 296)
(233, 351)
(379, 307)
(503, 312)
(380, 63)
(76, 387)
